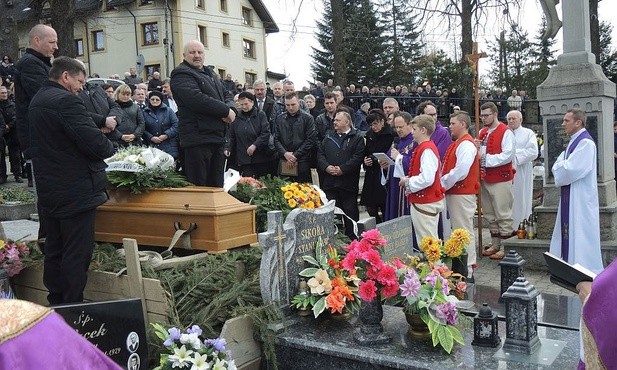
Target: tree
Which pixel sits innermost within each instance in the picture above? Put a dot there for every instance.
(608, 55)
(404, 47)
(543, 56)
(441, 71)
(512, 60)
(357, 56)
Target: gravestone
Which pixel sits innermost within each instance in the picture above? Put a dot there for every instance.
(117, 328)
(284, 245)
(398, 233)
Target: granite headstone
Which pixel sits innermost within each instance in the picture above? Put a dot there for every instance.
(284, 245)
(398, 233)
(117, 328)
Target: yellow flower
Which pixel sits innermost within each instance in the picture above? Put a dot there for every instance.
(288, 195)
(292, 203)
(432, 252)
(453, 247)
(2, 244)
(461, 235)
(429, 241)
(310, 204)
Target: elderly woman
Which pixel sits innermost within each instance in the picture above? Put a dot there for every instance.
(132, 125)
(248, 138)
(311, 104)
(378, 140)
(161, 125)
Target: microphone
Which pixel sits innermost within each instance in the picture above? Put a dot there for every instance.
(395, 142)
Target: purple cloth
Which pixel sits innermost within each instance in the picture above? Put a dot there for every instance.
(52, 344)
(396, 201)
(442, 139)
(600, 315)
(565, 202)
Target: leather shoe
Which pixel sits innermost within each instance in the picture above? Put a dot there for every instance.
(499, 255)
(18, 179)
(490, 249)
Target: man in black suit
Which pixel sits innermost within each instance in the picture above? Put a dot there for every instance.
(263, 102)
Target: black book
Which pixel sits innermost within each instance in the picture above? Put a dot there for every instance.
(566, 275)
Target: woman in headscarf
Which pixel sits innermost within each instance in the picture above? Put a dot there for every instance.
(161, 125)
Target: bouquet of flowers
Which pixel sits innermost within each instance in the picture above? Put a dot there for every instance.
(11, 256)
(454, 247)
(140, 168)
(301, 196)
(364, 260)
(249, 181)
(188, 350)
(331, 287)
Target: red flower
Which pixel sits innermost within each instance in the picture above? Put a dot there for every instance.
(373, 257)
(331, 262)
(390, 291)
(373, 237)
(367, 290)
(349, 262)
(387, 275)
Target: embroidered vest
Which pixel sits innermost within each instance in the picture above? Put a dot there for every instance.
(501, 173)
(471, 183)
(434, 192)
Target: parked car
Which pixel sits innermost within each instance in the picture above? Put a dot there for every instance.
(100, 81)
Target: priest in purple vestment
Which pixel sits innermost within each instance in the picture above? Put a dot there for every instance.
(35, 337)
(441, 136)
(599, 320)
(401, 151)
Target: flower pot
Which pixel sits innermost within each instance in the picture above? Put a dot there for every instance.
(459, 265)
(6, 292)
(370, 330)
(417, 328)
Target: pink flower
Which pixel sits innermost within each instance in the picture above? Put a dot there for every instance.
(397, 263)
(373, 257)
(349, 262)
(364, 246)
(387, 275)
(462, 286)
(367, 290)
(390, 291)
(373, 237)
(372, 272)
(352, 247)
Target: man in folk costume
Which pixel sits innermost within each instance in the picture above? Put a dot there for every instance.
(460, 178)
(423, 188)
(496, 145)
(526, 151)
(575, 172)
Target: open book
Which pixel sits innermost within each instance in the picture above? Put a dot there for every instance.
(565, 274)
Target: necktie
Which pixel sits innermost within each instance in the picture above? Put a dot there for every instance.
(260, 104)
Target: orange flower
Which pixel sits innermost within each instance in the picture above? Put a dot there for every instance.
(336, 301)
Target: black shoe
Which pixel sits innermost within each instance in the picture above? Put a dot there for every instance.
(30, 184)
(18, 179)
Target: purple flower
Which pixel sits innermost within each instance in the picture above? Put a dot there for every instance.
(194, 329)
(218, 343)
(431, 278)
(447, 312)
(411, 284)
(174, 334)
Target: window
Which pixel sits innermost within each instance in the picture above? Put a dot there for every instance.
(247, 17)
(200, 4)
(222, 73)
(250, 78)
(150, 33)
(226, 42)
(224, 6)
(79, 47)
(151, 68)
(98, 40)
(203, 35)
(249, 48)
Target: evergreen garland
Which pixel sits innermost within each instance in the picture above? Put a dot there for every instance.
(138, 182)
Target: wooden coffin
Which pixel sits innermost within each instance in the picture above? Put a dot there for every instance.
(222, 222)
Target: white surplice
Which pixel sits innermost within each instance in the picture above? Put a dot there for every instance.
(580, 171)
(526, 145)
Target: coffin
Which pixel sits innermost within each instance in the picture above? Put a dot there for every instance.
(222, 222)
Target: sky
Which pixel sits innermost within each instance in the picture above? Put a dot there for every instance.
(292, 56)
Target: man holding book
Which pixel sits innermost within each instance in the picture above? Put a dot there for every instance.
(575, 171)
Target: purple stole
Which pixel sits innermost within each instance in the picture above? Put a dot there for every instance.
(565, 202)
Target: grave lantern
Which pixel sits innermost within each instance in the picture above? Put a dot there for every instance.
(485, 328)
(521, 317)
(511, 269)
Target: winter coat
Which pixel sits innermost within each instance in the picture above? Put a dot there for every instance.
(248, 129)
(347, 153)
(373, 193)
(202, 105)
(132, 122)
(163, 121)
(296, 134)
(70, 172)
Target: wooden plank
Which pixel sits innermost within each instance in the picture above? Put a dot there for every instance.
(238, 332)
(178, 261)
(133, 267)
(153, 317)
(157, 307)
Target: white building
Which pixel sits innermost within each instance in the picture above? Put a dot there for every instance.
(121, 32)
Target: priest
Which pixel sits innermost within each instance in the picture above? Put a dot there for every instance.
(575, 171)
(526, 151)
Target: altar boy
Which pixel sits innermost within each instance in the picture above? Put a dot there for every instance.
(423, 187)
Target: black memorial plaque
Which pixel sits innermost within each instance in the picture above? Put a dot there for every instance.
(116, 327)
(557, 139)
